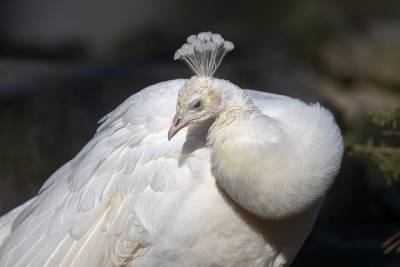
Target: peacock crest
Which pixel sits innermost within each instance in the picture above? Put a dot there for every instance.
(204, 52)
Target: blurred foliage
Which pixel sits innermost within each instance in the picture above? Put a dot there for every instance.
(385, 156)
(389, 120)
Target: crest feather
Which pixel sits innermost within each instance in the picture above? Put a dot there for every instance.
(204, 52)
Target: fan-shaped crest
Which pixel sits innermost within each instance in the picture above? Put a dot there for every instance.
(204, 52)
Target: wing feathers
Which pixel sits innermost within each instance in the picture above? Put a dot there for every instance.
(104, 205)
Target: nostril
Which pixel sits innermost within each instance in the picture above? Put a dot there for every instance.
(177, 121)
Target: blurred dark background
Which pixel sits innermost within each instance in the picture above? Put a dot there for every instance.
(66, 63)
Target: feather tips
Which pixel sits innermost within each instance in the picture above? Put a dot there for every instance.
(204, 53)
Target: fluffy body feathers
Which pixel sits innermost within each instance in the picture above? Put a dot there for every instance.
(132, 198)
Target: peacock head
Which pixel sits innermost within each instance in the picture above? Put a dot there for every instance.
(200, 98)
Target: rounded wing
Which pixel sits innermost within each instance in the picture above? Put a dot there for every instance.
(102, 207)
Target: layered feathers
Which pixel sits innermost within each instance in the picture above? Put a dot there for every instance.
(131, 198)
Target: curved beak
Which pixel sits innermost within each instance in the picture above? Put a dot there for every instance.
(176, 126)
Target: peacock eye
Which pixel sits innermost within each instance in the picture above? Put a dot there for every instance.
(197, 104)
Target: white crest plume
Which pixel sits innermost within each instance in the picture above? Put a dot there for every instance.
(204, 52)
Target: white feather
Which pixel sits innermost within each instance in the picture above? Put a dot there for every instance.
(130, 197)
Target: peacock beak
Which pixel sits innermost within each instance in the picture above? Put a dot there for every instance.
(176, 126)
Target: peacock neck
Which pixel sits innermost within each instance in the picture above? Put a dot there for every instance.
(237, 106)
(248, 162)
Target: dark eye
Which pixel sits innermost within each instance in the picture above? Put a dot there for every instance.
(196, 104)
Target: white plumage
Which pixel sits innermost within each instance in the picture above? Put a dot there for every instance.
(242, 188)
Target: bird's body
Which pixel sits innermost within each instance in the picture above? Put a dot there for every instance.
(242, 188)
